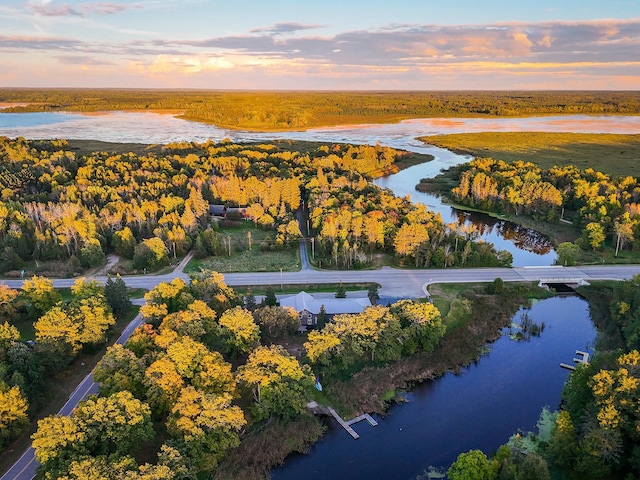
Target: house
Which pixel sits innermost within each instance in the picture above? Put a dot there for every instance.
(309, 307)
(221, 211)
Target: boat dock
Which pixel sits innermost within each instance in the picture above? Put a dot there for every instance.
(347, 424)
(583, 357)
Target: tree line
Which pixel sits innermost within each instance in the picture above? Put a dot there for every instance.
(298, 110)
(56, 206)
(605, 207)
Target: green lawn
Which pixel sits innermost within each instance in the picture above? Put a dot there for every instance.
(248, 261)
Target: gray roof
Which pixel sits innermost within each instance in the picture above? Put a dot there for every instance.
(333, 306)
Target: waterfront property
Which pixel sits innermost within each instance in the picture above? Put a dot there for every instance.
(309, 308)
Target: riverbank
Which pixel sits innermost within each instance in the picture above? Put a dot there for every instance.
(474, 318)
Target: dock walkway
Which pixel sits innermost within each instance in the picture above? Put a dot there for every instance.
(347, 424)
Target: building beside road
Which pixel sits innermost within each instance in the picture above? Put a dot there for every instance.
(310, 307)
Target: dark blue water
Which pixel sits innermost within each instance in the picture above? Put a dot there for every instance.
(478, 409)
(27, 120)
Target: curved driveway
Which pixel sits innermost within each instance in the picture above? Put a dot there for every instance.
(393, 283)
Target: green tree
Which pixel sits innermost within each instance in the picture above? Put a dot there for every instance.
(373, 295)
(270, 297)
(124, 243)
(276, 322)
(567, 253)
(151, 253)
(341, 292)
(280, 385)
(120, 370)
(91, 254)
(250, 301)
(117, 295)
(472, 465)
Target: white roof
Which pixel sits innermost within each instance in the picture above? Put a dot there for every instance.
(333, 306)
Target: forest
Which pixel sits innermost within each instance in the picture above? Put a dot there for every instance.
(61, 213)
(301, 110)
(601, 207)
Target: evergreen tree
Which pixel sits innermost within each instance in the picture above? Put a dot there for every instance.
(117, 296)
(373, 294)
(270, 297)
(250, 301)
(341, 292)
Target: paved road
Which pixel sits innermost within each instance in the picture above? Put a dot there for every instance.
(393, 282)
(25, 467)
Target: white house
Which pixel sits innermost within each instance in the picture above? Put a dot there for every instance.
(309, 307)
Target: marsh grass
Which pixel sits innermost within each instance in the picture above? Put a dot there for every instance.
(614, 154)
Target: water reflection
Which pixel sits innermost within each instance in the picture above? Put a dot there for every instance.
(528, 247)
(480, 408)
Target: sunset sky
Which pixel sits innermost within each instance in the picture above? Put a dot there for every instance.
(325, 44)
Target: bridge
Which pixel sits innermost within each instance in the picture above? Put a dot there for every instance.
(574, 281)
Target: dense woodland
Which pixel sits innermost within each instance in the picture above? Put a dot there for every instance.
(300, 110)
(61, 331)
(73, 210)
(602, 207)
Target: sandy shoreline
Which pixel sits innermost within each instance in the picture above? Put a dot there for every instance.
(12, 104)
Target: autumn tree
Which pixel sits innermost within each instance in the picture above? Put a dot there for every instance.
(40, 293)
(280, 385)
(13, 413)
(240, 331)
(208, 424)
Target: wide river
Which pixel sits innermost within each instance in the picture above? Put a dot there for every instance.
(488, 401)
(528, 247)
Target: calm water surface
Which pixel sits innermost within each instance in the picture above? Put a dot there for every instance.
(478, 409)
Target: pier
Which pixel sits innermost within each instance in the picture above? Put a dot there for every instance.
(583, 358)
(347, 424)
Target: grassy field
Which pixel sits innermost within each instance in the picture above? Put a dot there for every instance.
(248, 261)
(617, 155)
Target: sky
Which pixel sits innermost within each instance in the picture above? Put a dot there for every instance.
(322, 44)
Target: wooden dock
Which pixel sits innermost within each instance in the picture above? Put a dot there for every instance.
(347, 424)
(583, 358)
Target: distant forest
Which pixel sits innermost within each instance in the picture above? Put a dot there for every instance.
(300, 110)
